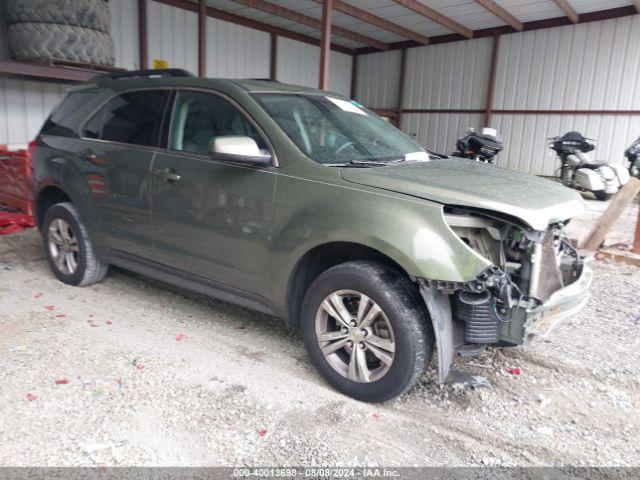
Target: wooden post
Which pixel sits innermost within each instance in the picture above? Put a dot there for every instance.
(616, 208)
(142, 31)
(273, 68)
(488, 114)
(202, 38)
(325, 44)
(400, 101)
(354, 77)
(636, 242)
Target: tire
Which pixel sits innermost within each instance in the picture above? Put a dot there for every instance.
(45, 41)
(92, 14)
(90, 269)
(603, 196)
(410, 330)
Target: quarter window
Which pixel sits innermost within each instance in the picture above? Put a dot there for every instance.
(200, 117)
(68, 114)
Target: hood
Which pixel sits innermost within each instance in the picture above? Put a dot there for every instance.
(460, 182)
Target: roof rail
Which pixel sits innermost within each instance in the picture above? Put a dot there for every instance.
(132, 74)
(263, 80)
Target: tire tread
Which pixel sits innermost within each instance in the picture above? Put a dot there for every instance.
(397, 288)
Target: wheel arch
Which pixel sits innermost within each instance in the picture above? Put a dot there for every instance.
(321, 258)
(46, 198)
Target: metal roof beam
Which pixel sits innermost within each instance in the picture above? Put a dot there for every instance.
(568, 10)
(255, 24)
(436, 17)
(596, 16)
(298, 17)
(355, 12)
(502, 14)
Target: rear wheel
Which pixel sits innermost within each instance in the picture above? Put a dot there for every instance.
(68, 249)
(366, 330)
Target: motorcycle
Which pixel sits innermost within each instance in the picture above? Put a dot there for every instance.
(633, 155)
(581, 172)
(481, 147)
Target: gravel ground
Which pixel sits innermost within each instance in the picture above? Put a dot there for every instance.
(132, 372)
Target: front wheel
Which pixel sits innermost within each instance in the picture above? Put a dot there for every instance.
(366, 330)
(603, 196)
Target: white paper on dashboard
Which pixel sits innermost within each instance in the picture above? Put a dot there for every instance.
(346, 106)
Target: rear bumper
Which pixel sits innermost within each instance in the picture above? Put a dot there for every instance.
(562, 304)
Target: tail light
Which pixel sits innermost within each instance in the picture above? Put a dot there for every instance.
(31, 151)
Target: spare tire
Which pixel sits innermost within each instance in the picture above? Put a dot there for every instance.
(47, 41)
(93, 14)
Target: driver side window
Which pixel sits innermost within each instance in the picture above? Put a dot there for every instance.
(199, 117)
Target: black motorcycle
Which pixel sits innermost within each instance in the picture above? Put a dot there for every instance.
(481, 147)
(633, 155)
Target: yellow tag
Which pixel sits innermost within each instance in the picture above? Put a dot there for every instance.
(160, 64)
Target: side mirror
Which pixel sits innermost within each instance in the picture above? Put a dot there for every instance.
(238, 149)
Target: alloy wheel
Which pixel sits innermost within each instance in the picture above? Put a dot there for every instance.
(63, 246)
(355, 336)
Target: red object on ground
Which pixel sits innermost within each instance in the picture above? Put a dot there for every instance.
(262, 432)
(515, 371)
(180, 336)
(61, 315)
(31, 397)
(49, 307)
(15, 179)
(139, 366)
(62, 381)
(14, 222)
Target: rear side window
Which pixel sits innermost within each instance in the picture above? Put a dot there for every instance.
(132, 118)
(66, 117)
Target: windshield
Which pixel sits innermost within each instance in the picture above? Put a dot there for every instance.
(333, 130)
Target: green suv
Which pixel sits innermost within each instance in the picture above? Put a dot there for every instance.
(305, 205)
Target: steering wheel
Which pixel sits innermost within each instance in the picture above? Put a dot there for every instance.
(343, 147)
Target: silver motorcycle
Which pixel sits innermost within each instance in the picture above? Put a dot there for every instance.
(581, 172)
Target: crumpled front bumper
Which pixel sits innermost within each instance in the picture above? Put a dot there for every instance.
(562, 304)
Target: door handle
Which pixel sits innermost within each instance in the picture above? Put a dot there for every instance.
(168, 174)
(87, 155)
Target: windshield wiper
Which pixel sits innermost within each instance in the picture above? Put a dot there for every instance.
(368, 162)
(439, 156)
(358, 164)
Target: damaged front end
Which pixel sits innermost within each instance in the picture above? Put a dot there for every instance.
(534, 280)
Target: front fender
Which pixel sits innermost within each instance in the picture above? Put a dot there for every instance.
(410, 231)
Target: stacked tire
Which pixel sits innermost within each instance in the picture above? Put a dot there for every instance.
(71, 30)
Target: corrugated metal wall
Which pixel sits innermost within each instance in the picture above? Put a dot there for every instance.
(340, 73)
(378, 79)
(448, 76)
(526, 146)
(23, 107)
(439, 131)
(249, 49)
(593, 66)
(173, 36)
(299, 63)
(124, 30)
